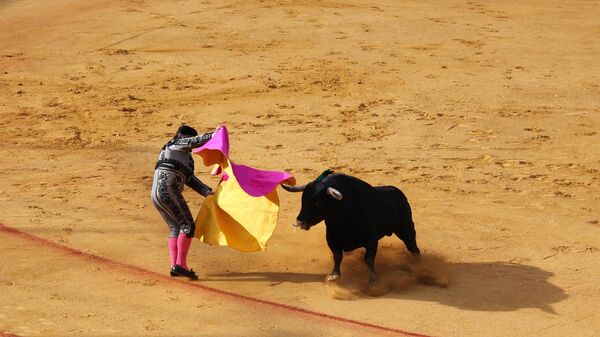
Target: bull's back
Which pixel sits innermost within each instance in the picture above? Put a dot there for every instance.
(389, 196)
(370, 212)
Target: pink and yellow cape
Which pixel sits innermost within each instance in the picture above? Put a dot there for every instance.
(244, 210)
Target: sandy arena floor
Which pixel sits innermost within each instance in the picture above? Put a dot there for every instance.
(487, 115)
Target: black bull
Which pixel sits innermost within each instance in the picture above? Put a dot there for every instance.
(356, 215)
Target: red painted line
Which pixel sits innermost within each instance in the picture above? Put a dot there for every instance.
(141, 271)
(7, 334)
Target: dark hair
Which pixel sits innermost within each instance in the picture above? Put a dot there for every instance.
(186, 130)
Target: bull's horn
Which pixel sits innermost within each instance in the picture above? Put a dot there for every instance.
(293, 188)
(337, 195)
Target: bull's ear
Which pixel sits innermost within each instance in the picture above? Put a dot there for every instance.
(337, 195)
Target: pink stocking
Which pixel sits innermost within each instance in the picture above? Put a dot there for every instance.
(173, 250)
(183, 246)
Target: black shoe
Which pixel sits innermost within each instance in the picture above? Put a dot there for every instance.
(173, 273)
(180, 271)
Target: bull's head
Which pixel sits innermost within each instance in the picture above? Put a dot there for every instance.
(318, 200)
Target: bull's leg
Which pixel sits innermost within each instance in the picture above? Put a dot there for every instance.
(338, 255)
(409, 237)
(370, 260)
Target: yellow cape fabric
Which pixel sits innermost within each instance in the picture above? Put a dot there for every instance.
(232, 217)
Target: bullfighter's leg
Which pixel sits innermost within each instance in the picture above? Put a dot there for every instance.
(370, 260)
(409, 237)
(338, 255)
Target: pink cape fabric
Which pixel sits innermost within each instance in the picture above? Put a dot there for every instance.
(255, 182)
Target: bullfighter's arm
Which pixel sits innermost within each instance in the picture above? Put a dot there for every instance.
(198, 186)
(189, 143)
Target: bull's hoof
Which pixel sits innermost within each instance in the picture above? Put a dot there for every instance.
(333, 277)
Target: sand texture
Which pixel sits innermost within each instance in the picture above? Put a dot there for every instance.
(485, 113)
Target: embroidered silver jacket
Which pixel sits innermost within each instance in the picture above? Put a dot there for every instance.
(176, 155)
